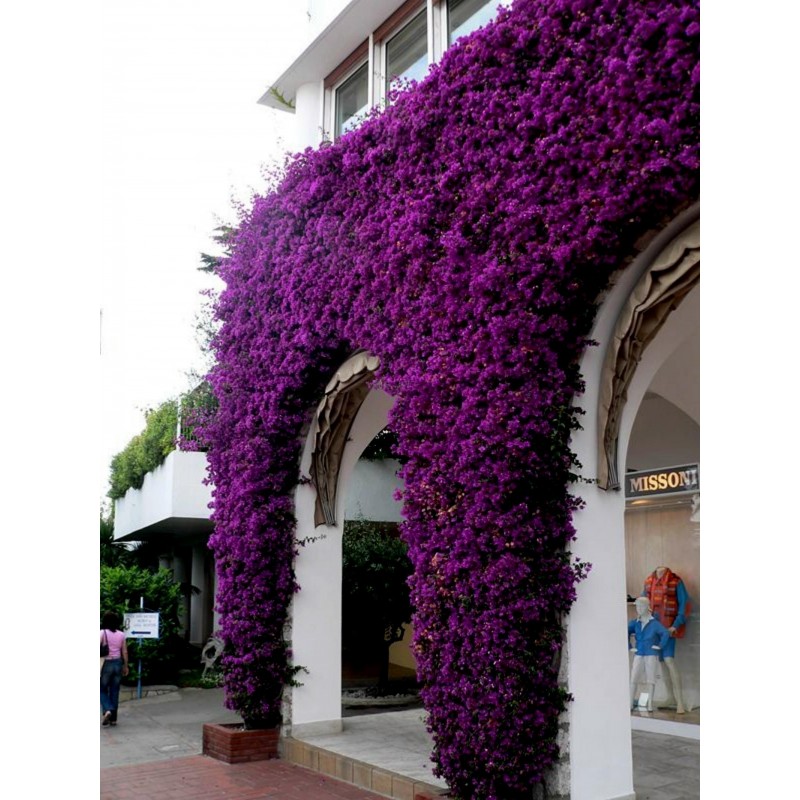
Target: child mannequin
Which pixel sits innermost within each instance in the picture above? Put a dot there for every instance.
(651, 637)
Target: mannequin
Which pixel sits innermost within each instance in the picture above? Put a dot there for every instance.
(671, 605)
(651, 638)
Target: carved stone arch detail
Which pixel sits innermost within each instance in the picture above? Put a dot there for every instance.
(344, 395)
(661, 289)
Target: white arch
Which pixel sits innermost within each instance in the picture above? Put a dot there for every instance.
(600, 759)
(316, 610)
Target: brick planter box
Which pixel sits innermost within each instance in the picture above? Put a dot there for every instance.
(233, 744)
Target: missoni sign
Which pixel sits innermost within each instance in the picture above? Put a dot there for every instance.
(663, 481)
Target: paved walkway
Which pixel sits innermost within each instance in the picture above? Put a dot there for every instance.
(203, 778)
(152, 754)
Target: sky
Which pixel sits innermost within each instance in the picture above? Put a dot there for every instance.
(183, 136)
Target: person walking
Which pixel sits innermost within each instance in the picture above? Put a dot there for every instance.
(114, 668)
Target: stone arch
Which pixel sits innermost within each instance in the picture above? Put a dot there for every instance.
(597, 674)
(661, 289)
(344, 396)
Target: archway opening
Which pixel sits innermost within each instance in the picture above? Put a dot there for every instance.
(378, 667)
(662, 532)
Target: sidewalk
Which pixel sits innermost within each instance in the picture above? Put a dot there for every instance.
(203, 778)
(153, 754)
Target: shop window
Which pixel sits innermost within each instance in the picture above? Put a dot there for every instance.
(465, 16)
(351, 101)
(407, 52)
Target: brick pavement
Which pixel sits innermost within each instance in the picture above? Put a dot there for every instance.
(204, 778)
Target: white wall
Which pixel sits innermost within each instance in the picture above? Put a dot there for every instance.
(308, 116)
(662, 436)
(371, 491)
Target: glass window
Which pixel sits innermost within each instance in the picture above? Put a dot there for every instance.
(351, 101)
(465, 16)
(407, 51)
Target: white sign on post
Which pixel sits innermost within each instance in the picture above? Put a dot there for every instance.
(141, 625)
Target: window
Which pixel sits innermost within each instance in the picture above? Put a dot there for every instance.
(465, 16)
(351, 101)
(407, 52)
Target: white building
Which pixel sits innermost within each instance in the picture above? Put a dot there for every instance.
(643, 415)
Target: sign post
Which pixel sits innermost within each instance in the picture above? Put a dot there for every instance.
(141, 625)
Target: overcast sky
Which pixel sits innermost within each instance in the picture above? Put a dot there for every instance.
(183, 135)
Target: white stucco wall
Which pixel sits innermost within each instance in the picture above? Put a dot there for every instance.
(175, 489)
(663, 436)
(308, 116)
(371, 491)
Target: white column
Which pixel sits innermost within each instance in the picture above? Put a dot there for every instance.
(308, 115)
(179, 573)
(215, 613)
(197, 615)
(601, 764)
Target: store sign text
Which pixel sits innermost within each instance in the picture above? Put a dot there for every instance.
(663, 481)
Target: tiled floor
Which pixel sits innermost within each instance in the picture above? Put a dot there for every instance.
(203, 778)
(665, 767)
(395, 741)
(152, 755)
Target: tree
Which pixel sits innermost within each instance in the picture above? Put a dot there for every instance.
(121, 589)
(375, 595)
(112, 554)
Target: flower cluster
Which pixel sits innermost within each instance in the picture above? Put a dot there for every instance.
(463, 235)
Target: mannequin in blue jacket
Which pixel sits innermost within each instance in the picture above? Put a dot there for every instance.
(651, 638)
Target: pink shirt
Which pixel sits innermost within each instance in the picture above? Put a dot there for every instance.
(115, 641)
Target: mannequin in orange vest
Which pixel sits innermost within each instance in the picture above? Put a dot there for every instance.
(671, 605)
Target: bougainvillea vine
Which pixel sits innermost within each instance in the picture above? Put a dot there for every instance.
(463, 235)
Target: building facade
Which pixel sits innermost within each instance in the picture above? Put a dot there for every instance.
(642, 414)
(638, 446)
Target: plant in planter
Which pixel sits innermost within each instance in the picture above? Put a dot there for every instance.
(236, 744)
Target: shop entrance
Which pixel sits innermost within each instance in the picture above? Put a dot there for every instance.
(661, 485)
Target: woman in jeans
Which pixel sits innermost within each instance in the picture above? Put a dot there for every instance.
(114, 668)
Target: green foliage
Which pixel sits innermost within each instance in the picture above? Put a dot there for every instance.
(121, 588)
(381, 447)
(196, 680)
(278, 95)
(375, 595)
(195, 407)
(223, 237)
(146, 451)
(112, 554)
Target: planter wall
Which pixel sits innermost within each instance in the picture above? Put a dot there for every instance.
(233, 744)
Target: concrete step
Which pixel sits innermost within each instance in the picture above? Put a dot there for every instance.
(359, 773)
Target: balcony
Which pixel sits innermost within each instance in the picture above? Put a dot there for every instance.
(172, 503)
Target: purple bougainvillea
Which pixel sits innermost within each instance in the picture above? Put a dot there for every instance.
(463, 236)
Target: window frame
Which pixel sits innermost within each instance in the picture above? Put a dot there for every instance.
(337, 78)
(373, 52)
(445, 21)
(402, 17)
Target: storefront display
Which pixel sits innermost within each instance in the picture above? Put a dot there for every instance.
(662, 533)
